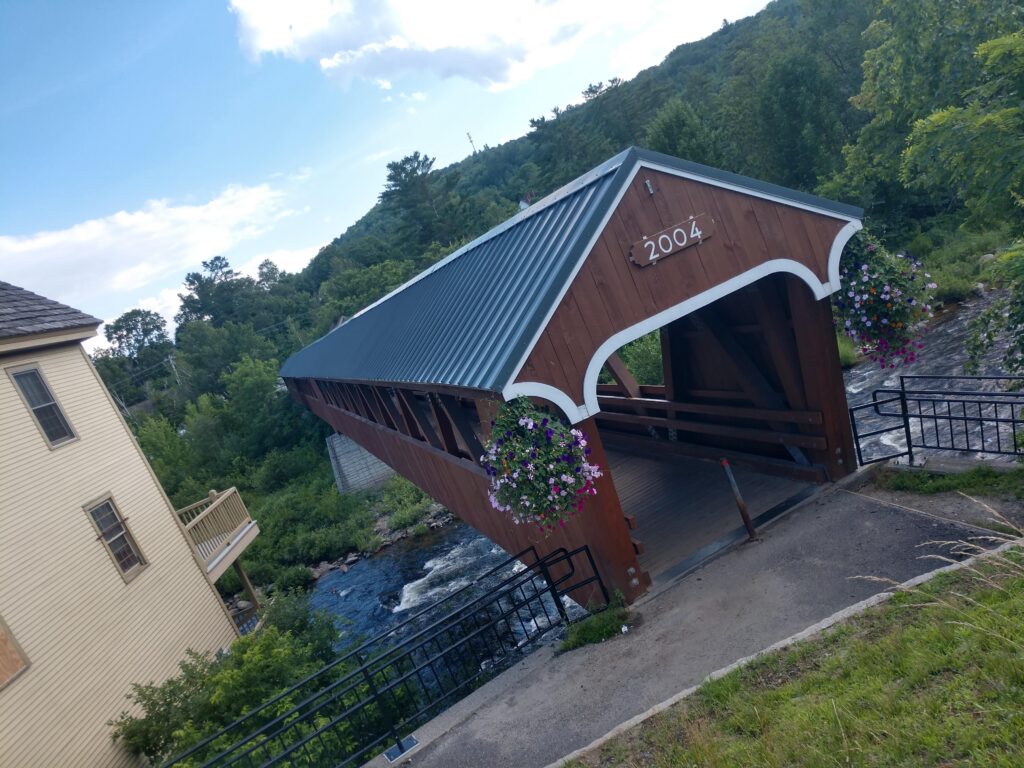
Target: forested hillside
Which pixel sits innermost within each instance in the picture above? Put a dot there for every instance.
(911, 108)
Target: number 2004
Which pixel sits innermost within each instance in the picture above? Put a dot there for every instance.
(671, 242)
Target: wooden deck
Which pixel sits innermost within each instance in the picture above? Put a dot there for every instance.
(682, 505)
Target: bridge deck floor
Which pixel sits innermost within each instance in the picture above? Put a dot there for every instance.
(682, 505)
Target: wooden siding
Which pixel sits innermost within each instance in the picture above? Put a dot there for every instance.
(89, 635)
(609, 294)
(461, 486)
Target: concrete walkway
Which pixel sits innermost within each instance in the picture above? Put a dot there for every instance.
(802, 571)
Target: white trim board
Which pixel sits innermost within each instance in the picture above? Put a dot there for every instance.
(578, 412)
(513, 389)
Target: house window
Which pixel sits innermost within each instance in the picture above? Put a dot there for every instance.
(116, 537)
(12, 660)
(44, 407)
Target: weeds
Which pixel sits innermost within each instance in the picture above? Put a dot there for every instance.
(933, 677)
(599, 626)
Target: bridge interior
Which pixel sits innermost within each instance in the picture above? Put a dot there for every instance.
(681, 507)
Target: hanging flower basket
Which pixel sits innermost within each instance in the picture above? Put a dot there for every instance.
(884, 299)
(539, 467)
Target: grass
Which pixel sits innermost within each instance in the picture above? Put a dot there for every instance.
(979, 480)
(935, 677)
(598, 627)
(952, 254)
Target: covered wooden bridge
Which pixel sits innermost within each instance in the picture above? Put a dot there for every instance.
(734, 273)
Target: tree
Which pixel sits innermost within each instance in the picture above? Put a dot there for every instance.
(207, 351)
(210, 693)
(136, 330)
(210, 292)
(677, 129)
(976, 152)
(796, 109)
(268, 273)
(921, 57)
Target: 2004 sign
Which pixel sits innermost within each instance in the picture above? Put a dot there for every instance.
(650, 250)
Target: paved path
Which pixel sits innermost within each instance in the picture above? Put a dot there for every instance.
(798, 574)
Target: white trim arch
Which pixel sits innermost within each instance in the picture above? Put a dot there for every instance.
(546, 392)
(576, 412)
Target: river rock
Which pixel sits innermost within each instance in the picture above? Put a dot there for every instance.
(353, 557)
(986, 258)
(243, 605)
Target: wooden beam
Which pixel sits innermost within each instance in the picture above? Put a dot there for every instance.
(822, 374)
(419, 412)
(778, 336)
(486, 411)
(645, 405)
(444, 425)
(769, 466)
(621, 373)
(751, 380)
(388, 408)
(668, 356)
(719, 430)
(411, 427)
(371, 404)
(453, 408)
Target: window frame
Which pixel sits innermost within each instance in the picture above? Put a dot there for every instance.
(139, 567)
(12, 371)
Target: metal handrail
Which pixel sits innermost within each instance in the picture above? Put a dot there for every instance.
(423, 651)
(353, 653)
(914, 406)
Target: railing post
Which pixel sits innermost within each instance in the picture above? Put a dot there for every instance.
(546, 574)
(906, 420)
(389, 721)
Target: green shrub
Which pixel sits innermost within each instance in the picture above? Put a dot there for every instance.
(643, 358)
(290, 611)
(209, 693)
(293, 577)
(599, 626)
(953, 289)
(404, 503)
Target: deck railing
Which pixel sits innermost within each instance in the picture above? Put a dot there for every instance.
(214, 523)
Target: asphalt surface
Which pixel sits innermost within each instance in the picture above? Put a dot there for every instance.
(804, 569)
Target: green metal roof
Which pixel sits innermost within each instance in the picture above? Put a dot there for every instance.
(470, 320)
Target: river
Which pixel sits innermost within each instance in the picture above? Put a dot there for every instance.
(381, 591)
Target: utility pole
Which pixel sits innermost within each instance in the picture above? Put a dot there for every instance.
(170, 362)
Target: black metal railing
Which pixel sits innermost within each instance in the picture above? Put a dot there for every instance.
(380, 692)
(949, 413)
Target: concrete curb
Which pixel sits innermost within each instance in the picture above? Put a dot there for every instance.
(804, 634)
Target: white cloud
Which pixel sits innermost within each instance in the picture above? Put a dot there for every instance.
(379, 40)
(286, 259)
(375, 156)
(166, 303)
(129, 250)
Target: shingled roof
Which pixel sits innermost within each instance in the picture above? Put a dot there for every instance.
(23, 313)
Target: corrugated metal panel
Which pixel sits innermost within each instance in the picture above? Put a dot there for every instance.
(466, 321)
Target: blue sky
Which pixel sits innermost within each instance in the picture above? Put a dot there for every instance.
(139, 138)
